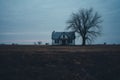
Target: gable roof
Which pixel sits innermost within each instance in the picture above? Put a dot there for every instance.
(56, 35)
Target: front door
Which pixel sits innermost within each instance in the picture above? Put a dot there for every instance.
(63, 42)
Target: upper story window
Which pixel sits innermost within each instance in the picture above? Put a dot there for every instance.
(63, 36)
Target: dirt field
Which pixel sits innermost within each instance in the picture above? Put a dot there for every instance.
(28, 62)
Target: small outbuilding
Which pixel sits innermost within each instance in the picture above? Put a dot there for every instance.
(63, 38)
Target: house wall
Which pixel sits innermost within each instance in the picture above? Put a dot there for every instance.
(53, 42)
(60, 42)
(73, 42)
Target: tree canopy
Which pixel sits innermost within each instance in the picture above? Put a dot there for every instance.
(86, 23)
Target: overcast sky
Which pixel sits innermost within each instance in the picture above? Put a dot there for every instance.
(29, 21)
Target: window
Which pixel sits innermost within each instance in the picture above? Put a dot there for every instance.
(56, 41)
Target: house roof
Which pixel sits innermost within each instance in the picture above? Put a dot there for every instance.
(56, 35)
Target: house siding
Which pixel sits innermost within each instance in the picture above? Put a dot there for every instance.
(60, 42)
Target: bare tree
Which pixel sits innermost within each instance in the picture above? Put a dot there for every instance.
(86, 23)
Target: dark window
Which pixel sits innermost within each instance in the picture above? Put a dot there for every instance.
(56, 41)
(63, 36)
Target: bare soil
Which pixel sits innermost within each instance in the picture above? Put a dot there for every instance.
(32, 62)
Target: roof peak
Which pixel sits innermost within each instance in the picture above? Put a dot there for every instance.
(56, 35)
(63, 31)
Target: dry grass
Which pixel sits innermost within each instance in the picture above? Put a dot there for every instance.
(28, 62)
(34, 48)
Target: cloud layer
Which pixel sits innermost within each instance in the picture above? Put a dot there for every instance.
(22, 18)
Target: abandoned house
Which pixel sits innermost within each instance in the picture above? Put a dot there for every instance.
(63, 38)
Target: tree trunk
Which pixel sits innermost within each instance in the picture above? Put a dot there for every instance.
(83, 41)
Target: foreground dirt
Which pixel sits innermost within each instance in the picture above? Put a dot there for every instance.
(59, 62)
